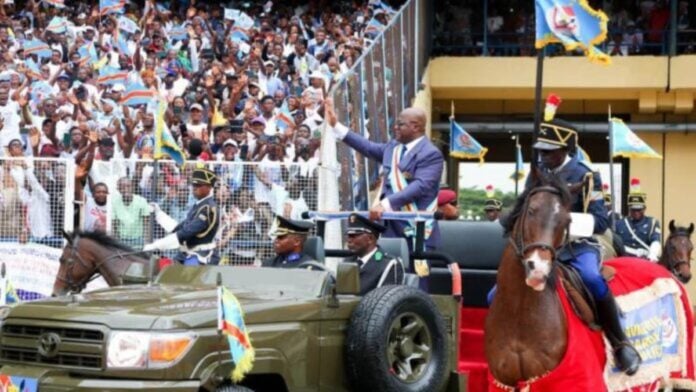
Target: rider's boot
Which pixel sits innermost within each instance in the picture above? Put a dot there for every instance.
(626, 356)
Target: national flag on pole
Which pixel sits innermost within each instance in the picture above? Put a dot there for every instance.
(519, 172)
(574, 24)
(37, 47)
(627, 144)
(231, 323)
(107, 7)
(110, 75)
(56, 3)
(57, 25)
(165, 144)
(137, 94)
(462, 145)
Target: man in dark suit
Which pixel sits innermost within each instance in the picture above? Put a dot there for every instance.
(290, 236)
(411, 169)
(376, 267)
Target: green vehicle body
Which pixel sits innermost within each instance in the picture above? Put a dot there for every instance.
(297, 320)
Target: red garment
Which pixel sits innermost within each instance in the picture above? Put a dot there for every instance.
(582, 366)
(657, 24)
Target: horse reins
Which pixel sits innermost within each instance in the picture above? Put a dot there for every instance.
(518, 241)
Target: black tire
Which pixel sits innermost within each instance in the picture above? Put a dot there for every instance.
(232, 388)
(377, 343)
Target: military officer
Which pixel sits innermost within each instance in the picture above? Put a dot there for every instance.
(556, 142)
(195, 236)
(641, 234)
(377, 268)
(493, 206)
(290, 236)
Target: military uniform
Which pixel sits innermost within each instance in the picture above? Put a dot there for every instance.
(195, 236)
(643, 237)
(290, 260)
(377, 268)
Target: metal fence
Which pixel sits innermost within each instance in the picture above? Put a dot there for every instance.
(36, 197)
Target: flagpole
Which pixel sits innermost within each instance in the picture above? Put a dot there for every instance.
(611, 171)
(517, 164)
(537, 103)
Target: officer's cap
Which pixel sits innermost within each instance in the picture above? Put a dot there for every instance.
(493, 204)
(556, 134)
(203, 176)
(607, 199)
(358, 224)
(287, 226)
(636, 201)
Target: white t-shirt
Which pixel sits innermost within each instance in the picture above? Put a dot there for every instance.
(95, 216)
(10, 131)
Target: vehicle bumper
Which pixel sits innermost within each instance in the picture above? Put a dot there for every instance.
(50, 380)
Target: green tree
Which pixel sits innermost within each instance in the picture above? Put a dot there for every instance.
(474, 200)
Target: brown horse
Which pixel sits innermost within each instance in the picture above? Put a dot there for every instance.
(535, 342)
(88, 254)
(676, 255)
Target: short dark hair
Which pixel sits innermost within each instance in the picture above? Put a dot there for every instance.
(267, 97)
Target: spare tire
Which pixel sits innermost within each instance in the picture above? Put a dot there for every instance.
(396, 341)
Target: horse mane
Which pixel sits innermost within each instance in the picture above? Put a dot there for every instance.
(538, 180)
(103, 239)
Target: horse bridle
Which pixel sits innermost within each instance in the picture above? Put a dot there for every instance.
(94, 271)
(518, 241)
(674, 267)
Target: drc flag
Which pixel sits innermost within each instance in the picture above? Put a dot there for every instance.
(572, 23)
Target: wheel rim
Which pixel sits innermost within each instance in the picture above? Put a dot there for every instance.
(409, 347)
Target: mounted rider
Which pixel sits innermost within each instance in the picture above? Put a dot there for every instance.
(556, 143)
(195, 236)
(641, 234)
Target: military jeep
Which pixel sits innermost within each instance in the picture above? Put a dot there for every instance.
(311, 331)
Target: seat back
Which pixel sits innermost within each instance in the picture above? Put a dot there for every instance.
(396, 247)
(314, 248)
(477, 247)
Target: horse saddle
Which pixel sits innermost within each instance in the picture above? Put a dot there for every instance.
(579, 295)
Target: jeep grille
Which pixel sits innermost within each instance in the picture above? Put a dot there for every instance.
(78, 347)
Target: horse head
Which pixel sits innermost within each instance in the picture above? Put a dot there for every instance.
(676, 256)
(538, 227)
(72, 266)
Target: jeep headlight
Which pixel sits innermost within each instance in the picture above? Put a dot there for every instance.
(140, 350)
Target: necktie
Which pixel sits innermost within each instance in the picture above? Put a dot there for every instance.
(403, 151)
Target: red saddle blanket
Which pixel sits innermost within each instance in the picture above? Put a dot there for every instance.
(657, 318)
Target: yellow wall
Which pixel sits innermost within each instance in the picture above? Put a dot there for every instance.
(650, 89)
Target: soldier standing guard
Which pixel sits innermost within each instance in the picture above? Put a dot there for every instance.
(493, 206)
(195, 236)
(377, 268)
(641, 234)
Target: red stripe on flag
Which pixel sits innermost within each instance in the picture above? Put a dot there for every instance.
(232, 330)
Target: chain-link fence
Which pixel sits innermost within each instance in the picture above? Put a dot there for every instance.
(249, 196)
(36, 200)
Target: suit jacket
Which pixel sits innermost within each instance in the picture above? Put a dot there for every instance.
(424, 164)
(377, 266)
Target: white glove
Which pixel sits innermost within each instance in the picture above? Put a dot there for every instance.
(168, 242)
(340, 131)
(655, 251)
(167, 222)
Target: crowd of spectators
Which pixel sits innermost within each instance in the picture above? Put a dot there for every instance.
(635, 27)
(242, 82)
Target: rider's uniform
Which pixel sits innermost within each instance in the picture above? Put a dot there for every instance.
(642, 237)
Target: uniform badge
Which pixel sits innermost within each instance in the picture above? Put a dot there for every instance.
(378, 256)
(203, 217)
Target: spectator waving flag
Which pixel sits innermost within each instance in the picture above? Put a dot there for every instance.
(178, 33)
(627, 144)
(137, 94)
(572, 23)
(88, 54)
(519, 164)
(37, 47)
(231, 323)
(128, 25)
(284, 119)
(33, 69)
(40, 90)
(374, 27)
(110, 75)
(165, 144)
(238, 35)
(56, 3)
(107, 7)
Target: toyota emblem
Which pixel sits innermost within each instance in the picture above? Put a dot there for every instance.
(48, 344)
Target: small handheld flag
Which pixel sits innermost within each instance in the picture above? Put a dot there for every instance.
(164, 141)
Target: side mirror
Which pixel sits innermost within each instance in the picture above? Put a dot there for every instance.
(348, 279)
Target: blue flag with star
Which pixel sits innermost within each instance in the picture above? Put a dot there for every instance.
(574, 24)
